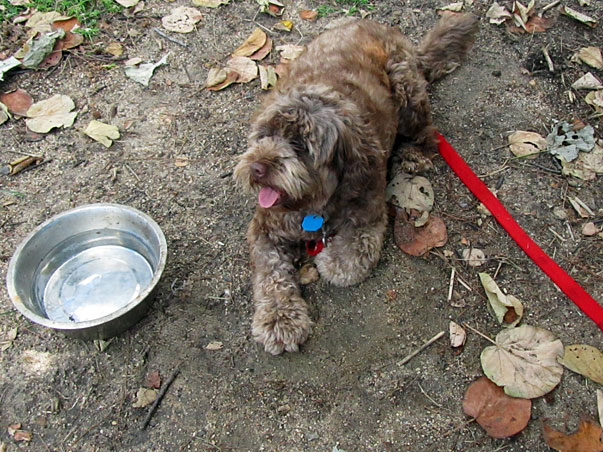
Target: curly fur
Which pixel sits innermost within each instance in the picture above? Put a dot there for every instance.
(321, 141)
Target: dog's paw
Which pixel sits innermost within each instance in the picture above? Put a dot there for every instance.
(413, 160)
(281, 328)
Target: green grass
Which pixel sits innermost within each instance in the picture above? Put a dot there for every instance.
(351, 7)
(87, 11)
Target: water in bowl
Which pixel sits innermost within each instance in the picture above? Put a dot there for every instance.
(92, 275)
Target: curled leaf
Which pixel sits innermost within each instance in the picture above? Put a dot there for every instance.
(101, 132)
(457, 334)
(507, 309)
(252, 44)
(268, 76)
(498, 413)
(524, 143)
(524, 361)
(143, 72)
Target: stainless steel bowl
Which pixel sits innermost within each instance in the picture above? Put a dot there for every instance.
(89, 271)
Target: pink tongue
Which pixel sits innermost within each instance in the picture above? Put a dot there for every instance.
(268, 197)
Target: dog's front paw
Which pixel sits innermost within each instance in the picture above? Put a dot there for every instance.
(283, 327)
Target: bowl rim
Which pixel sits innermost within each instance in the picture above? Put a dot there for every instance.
(44, 321)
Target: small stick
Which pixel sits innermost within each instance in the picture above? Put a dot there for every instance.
(547, 57)
(569, 228)
(169, 38)
(430, 399)
(451, 284)
(464, 284)
(550, 5)
(421, 348)
(480, 333)
(159, 398)
(555, 234)
(497, 270)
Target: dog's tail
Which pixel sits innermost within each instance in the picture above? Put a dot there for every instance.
(445, 46)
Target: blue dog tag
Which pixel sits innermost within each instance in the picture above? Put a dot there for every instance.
(312, 222)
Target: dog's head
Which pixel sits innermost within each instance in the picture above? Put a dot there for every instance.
(298, 148)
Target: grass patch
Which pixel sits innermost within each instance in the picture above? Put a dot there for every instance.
(88, 12)
(350, 7)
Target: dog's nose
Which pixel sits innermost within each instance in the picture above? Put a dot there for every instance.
(258, 170)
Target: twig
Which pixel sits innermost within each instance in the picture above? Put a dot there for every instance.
(550, 5)
(547, 57)
(169, 38)
(25, 153)
(451, 284)
(421, 348)
(569, 228)
(159, 398)
(430, 399)
(480, 333)
(555, 234)
(460, 427)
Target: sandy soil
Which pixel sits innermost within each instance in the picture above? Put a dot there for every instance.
(346, 387)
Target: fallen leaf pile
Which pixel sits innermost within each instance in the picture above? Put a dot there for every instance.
(521, 18)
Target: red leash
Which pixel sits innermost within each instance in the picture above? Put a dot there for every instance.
(566, 283)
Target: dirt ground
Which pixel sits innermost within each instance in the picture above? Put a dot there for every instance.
(345, 389)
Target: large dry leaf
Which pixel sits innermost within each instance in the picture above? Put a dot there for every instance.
(101, 132)
(42, 22)
(524, 361)
(50, 113)
(245, 68)
(252, 44)
(591, 56)
(418, 241)
(524, 143)
(586, 439)
(498, 413)
(181, 19)
(585, 360)
(17, 101)
(410, 192)
(507, 309)
(143, 73)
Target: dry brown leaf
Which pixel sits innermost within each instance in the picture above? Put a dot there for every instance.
(144, 397)
(101, 132)
(524, 144)
(214, 345)
(218, 79)
(587, 165)
(181, 19)
(524, 361)
(474, 257)
(585, 360)
(263, 51)
(245, 68)
(308, 14)
(591, 56)
(50, 113)
(153, 379)
(587, 81)
(586, 439)
(410, 192)
(418, 241)
(114, 48)
(22, 435)
(576, 15)
(498, 14)
(457, 334)
(268, 76)
(252, 44)
(499, 414)
(17, 101)
(589, 229)
(501, 303)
